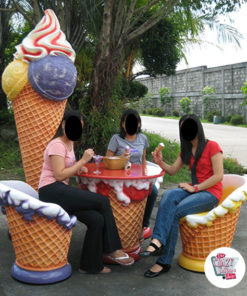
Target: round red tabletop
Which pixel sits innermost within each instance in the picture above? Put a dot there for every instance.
(137, 171)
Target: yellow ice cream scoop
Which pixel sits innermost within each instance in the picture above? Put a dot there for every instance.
(14, 78)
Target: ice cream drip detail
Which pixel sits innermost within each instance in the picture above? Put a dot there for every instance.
(121, 188)
(28, 206)
(46, 39)
(230, 204)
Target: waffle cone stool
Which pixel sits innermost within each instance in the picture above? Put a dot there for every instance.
(41, 234)
(202, 233)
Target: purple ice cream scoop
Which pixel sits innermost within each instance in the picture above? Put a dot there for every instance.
(53, 77)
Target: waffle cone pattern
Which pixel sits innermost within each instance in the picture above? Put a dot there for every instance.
(37, 121)
(40, 244)
(199, 242)
(128, 220)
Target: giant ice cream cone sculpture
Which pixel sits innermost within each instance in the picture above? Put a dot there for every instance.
(38, 82)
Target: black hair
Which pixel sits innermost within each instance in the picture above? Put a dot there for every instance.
(125, 114)
(186, 146)
(67, 114)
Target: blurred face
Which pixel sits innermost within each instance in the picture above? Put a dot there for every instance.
(131, 124)
(189, 129)
(73, 128)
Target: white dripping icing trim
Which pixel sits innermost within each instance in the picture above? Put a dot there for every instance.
(117, 186)
(50, 210)
(231, 203)
(158, 180)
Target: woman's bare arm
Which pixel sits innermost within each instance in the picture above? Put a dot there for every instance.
(62, 173)
(169, 169)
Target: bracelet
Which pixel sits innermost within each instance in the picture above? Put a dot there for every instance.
(196, 188)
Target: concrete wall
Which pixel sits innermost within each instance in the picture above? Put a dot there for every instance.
(226, 80)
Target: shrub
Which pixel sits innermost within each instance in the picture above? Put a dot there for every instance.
(237, 119)
(6, 117)
(158, 112)
(136, 89)
(210, 115)
(228, 118)
(232, 166)
(150, 111)
(165, 98)
(208, 95)
(129, 89)
(185, 105)
(146, 102)
(175, 113)
(244, 91)
(155, 111)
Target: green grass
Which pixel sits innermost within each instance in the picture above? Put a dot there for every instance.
(170, 154)
(10, 161)
(232, 166)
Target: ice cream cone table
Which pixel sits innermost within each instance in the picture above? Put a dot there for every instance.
(127, 191)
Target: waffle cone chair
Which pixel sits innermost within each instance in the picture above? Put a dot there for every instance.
(40, 233)
(202, 233)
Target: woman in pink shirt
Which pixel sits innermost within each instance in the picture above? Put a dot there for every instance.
(90, 208)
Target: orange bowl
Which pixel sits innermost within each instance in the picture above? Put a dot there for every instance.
(114, 162)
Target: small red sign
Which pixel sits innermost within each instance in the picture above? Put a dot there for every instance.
(220, 255)
(230, 276)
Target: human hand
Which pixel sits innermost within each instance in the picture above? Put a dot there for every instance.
(126, 154)
(87, 155)
(157, 156)
(187, 187)
(82, 170)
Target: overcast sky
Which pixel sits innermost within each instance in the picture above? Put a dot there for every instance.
(211, 56)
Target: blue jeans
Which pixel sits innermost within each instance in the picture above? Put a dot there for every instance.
(175, 204)
(151, 199)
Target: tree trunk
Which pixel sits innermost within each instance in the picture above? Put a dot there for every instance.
(104, 69)
(103, 77)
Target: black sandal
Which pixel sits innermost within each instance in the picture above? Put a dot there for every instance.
(157, 251)
(152, 274)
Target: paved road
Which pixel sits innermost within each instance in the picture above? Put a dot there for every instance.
(124, 280)
(233, 140)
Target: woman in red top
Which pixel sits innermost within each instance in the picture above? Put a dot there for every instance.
(204, 157)
(90, 208)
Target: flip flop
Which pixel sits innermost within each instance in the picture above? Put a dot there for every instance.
(120, 261)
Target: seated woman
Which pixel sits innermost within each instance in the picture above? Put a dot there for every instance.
(90, 208)
(205, 160)
(130, 136)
